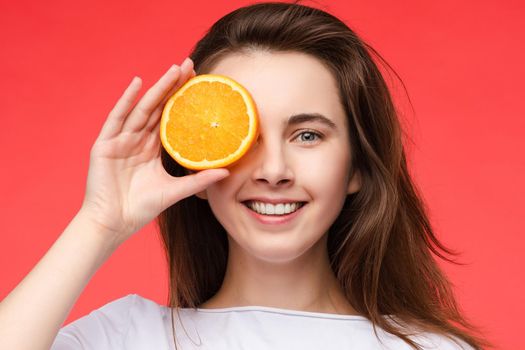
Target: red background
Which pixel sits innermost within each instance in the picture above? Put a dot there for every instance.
(64, 64)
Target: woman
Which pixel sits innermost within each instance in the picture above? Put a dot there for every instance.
(350, 266)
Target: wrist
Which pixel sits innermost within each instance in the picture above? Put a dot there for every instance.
(94, 227)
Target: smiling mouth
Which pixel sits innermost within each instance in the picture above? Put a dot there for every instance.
(273, 210)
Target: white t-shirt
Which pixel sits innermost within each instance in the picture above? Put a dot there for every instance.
(137, 323)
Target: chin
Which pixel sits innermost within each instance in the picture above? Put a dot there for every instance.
(277, 251)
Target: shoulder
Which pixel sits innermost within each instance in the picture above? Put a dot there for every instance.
(432, 341)
(108, 326)
(425, 339)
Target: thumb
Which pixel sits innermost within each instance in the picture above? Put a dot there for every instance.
(188, 185)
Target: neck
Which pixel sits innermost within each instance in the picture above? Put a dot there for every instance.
(306, 283)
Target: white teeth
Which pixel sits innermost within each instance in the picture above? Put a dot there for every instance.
(271, 209)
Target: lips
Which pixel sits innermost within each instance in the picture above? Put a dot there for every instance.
(273, 220)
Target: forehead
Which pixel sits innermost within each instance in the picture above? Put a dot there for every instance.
(284, 84)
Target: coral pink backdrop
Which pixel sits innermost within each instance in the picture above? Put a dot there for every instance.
(64, 64)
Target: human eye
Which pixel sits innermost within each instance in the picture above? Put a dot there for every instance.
(309, 136)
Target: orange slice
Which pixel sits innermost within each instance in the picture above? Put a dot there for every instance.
(210, 122)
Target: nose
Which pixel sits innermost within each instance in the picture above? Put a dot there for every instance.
(272, 166)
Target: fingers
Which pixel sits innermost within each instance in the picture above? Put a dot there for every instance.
(148, 110)
(190, 184)
(118, 114)
(187, 73)
(139, 116)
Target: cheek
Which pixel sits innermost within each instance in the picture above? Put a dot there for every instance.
(216, 195)
(217, 191)
(222, 193)
(324, 173)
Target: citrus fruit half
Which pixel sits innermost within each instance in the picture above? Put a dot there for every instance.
(210, 122)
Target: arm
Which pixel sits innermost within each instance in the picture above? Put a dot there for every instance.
(127, 187)
(31, 315)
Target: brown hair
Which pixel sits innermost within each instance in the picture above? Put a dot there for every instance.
(381, 244)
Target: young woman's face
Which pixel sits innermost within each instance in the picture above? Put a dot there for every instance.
(302, 155)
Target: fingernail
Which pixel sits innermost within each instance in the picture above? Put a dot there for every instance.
(186, 62)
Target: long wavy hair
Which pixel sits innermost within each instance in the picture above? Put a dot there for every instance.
(381, 245)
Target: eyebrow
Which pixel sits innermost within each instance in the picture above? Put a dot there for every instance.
(310, 117)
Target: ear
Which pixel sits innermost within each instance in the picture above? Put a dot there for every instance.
(355, 182)
(201, 194)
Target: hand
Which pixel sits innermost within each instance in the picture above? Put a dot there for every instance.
(127, 185)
